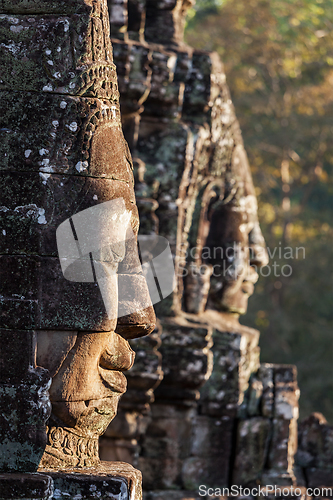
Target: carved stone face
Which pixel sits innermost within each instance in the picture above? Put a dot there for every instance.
(86, 366)
(63, 152)
(230, 247)
(237, 250)
(235, 244)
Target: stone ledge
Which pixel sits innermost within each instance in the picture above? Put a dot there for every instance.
(107, 481)
(25, 487)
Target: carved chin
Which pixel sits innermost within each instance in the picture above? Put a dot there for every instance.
(86, 418)
(73, 432)
(86, 386)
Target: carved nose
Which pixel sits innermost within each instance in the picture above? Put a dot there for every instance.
(257, 247)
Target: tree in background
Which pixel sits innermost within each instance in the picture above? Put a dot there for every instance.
(278, 57)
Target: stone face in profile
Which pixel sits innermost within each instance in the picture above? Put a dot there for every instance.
(194, 187)
(225, 240)
(234, 246)
(63, 152)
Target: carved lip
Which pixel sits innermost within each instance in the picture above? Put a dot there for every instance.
(114, 379)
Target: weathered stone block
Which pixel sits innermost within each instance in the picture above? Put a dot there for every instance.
(211, 450)
(47, 6)
(286, 392)
(251, 450)
(165, 96)
(124, 450)
(169, 437)
(160, 473)
(24, 403)
(64, 55)
(32, 210)
(254, 397)
(125, 425)
(146, 372)
(18, 313)
(136, 19)
(157, 447)
(213, 437)
(137, 399)
(24, 409)
(266, 376)
(183, 65)
(186, 359)
(26, 487)
(46, 300)
(212, 471)
(320, 477)
(236, 357)
(114, 480)
(63, 135)
(283, 446)
(161, 22)
(118, 18)
(133, 70)
(165, 21)
(198, 87)
(315, 443)
(160, 410)
(299, 475)
(54, 308)
(18, 355)
(185, 398)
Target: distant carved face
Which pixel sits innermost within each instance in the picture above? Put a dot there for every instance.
(236, 245)
(236, 251)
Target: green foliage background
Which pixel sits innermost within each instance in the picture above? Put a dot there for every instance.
(278, 57)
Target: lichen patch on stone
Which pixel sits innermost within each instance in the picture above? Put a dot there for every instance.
(81, 166)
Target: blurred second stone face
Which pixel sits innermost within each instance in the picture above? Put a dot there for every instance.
(194, 187)
(63, 153)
